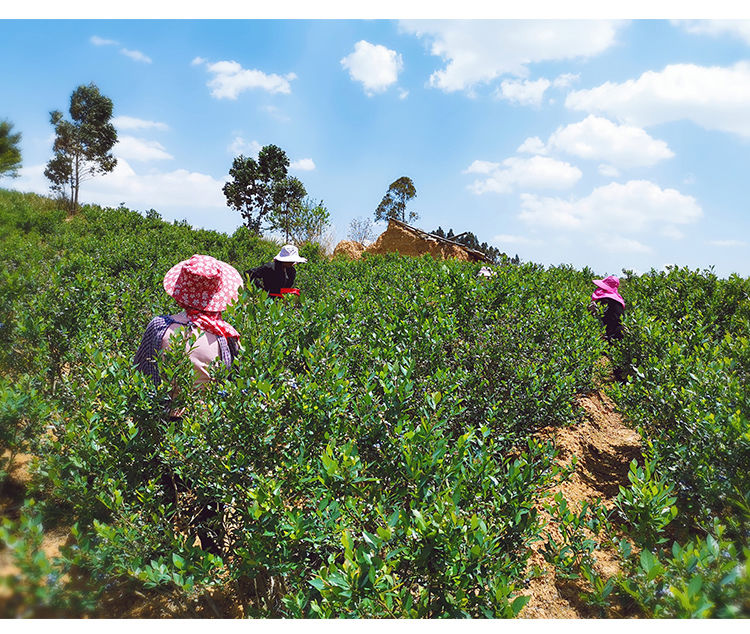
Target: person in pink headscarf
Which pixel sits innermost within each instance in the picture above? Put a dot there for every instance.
(608, 296)
(203, 287)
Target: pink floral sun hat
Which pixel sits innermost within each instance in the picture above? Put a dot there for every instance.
(607, 288)
(203, 283)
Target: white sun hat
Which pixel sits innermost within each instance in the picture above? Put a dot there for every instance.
(289, 253)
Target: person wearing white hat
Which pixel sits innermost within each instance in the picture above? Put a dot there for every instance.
(277, 276)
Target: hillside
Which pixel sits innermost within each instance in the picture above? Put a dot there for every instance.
(409, 442)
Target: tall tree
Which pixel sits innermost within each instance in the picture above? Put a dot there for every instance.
(394, 202)
(82, 145)
(287, 210)
(260, 187)
(10, 153)
(308, 221)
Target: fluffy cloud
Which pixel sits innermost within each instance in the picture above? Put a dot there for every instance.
(129, 147)
(596, 138)
(133, 123)
(523, 93)
(533, 145)
(175, 190)
(537, 172)
(303, 165)
(717, 28)
(230, 79)
(374, 65)
(480, 51)
(634, 207)
(716, 98)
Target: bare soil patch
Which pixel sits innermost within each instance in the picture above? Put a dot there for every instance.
(604, 446)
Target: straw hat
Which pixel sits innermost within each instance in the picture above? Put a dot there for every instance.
(203, 283)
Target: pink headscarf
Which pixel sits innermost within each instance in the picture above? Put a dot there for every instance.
(607, 288)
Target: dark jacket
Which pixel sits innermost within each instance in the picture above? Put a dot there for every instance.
(272, 276)
(611, 318)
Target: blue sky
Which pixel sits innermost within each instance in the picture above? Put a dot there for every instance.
(614, 144)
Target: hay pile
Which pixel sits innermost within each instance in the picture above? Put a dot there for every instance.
(403, 241)
(349, 249)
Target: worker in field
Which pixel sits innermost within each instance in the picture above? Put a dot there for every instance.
(203, 287)
(607, 305)
(277, 276)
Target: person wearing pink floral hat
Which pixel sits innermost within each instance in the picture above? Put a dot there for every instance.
(203, 287)
(608, 296)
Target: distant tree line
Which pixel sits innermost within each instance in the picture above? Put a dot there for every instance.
(470, 240)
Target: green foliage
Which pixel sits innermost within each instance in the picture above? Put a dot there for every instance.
(10, 153)
(705, 578)
(82, 147)
(687, 355)
(372, 453)
(648, 505)
(393, 205)
(302, 221)
(262, 191)
(470, 240)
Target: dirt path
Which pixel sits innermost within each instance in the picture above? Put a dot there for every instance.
(604, 446)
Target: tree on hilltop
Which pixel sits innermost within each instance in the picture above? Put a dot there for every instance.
(10, 153)
(393, 205)
(262, 190)
(83, 145)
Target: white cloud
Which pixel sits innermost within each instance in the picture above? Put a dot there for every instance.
(634, 207)
(129, 147)
(230, 79)
(480, 51)
(523, 93)
(596, 138)
(565, 80)
(136, 55)
(175, 190)
(240, 146)
(481, 167)
(717, 28)
(198, 61)
(533, 145)
(374, 65)
(133, 123)
(610, 171)
(505, 238)
(303, 165)
(537, 172)
(716, 98)
(672, 232)
(100, 41)
(727, 243)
